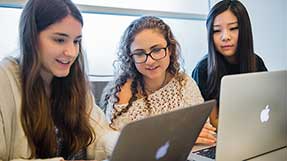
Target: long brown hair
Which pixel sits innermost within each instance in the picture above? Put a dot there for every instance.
(67, 107)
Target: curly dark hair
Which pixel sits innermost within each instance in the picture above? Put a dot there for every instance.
(125, 67)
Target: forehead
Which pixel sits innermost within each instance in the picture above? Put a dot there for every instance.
(147, 38)
(224, 18)
(68, 25)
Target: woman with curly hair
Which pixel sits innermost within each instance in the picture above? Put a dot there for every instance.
(149, 80)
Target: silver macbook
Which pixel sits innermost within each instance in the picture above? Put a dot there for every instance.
(165, 137)
(252, 117)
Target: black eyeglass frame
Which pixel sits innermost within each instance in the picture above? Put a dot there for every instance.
(149, 54)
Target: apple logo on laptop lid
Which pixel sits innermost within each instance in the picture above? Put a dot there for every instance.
(264, 115)
(162, 151)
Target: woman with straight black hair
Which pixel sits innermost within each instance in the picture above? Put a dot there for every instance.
(47, 110)
(230, 50)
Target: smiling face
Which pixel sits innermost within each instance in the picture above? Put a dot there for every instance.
(225, 36)
(59, 47)
(146, 41)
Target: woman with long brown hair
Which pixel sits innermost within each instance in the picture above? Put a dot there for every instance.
(47, 109)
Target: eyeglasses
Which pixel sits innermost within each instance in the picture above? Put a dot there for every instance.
(155, 54)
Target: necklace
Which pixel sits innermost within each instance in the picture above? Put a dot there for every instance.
(149, 91)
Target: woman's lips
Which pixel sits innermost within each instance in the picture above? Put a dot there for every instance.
(152, 68)
(226, 47)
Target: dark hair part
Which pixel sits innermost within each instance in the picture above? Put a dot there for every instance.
(67, 107)
(244, 52)
(127, 69)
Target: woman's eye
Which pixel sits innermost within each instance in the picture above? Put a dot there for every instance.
(234, 28)
(139, 54)
(156, 50)
(77, 41)
(59, 40)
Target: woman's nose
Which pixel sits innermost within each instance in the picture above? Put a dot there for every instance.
(71, 50)
(149, 60)
(225, 36)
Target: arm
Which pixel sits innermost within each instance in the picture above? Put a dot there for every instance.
(199, 74)
(6, 106)
(207, 134)
(12, 143)
(214, 117)
(124, 96)
(3, 147)
(106, 137)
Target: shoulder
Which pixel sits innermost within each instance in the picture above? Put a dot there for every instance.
(191, 92)
(260, 63)
(189, 83)
(9, 71)
(199, 74)
(10, 100)
(188, 80)
(258, 58)
(9, 64)
(202, 64)
(200, 69)
(10, 78)
(125, 94)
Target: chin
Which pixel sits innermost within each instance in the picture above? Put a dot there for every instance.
(62, 74)
(228, 52)
(153, 77)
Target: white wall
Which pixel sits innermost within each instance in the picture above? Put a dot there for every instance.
(268, 20)
(101, 43)
(192, 38)
(186, 6)
(102, 32)
(269, 25)
(9, 31)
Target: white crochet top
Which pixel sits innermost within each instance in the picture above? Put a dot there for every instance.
(168, 98)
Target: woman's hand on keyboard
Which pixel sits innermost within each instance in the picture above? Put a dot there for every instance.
(207, 135)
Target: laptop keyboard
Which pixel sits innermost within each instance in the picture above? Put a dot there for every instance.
(209, 152)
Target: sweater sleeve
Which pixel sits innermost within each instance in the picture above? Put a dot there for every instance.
(8, 121)
(3, 142)
(2, 137)
(106, 137)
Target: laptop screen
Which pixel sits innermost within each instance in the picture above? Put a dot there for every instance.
(252, 115)
(164, 137)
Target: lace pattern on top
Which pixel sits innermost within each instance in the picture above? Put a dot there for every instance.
(168, 98)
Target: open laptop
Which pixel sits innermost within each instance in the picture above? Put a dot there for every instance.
(252, 118)
(164, 137)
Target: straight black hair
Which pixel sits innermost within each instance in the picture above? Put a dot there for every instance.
(244, 52)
